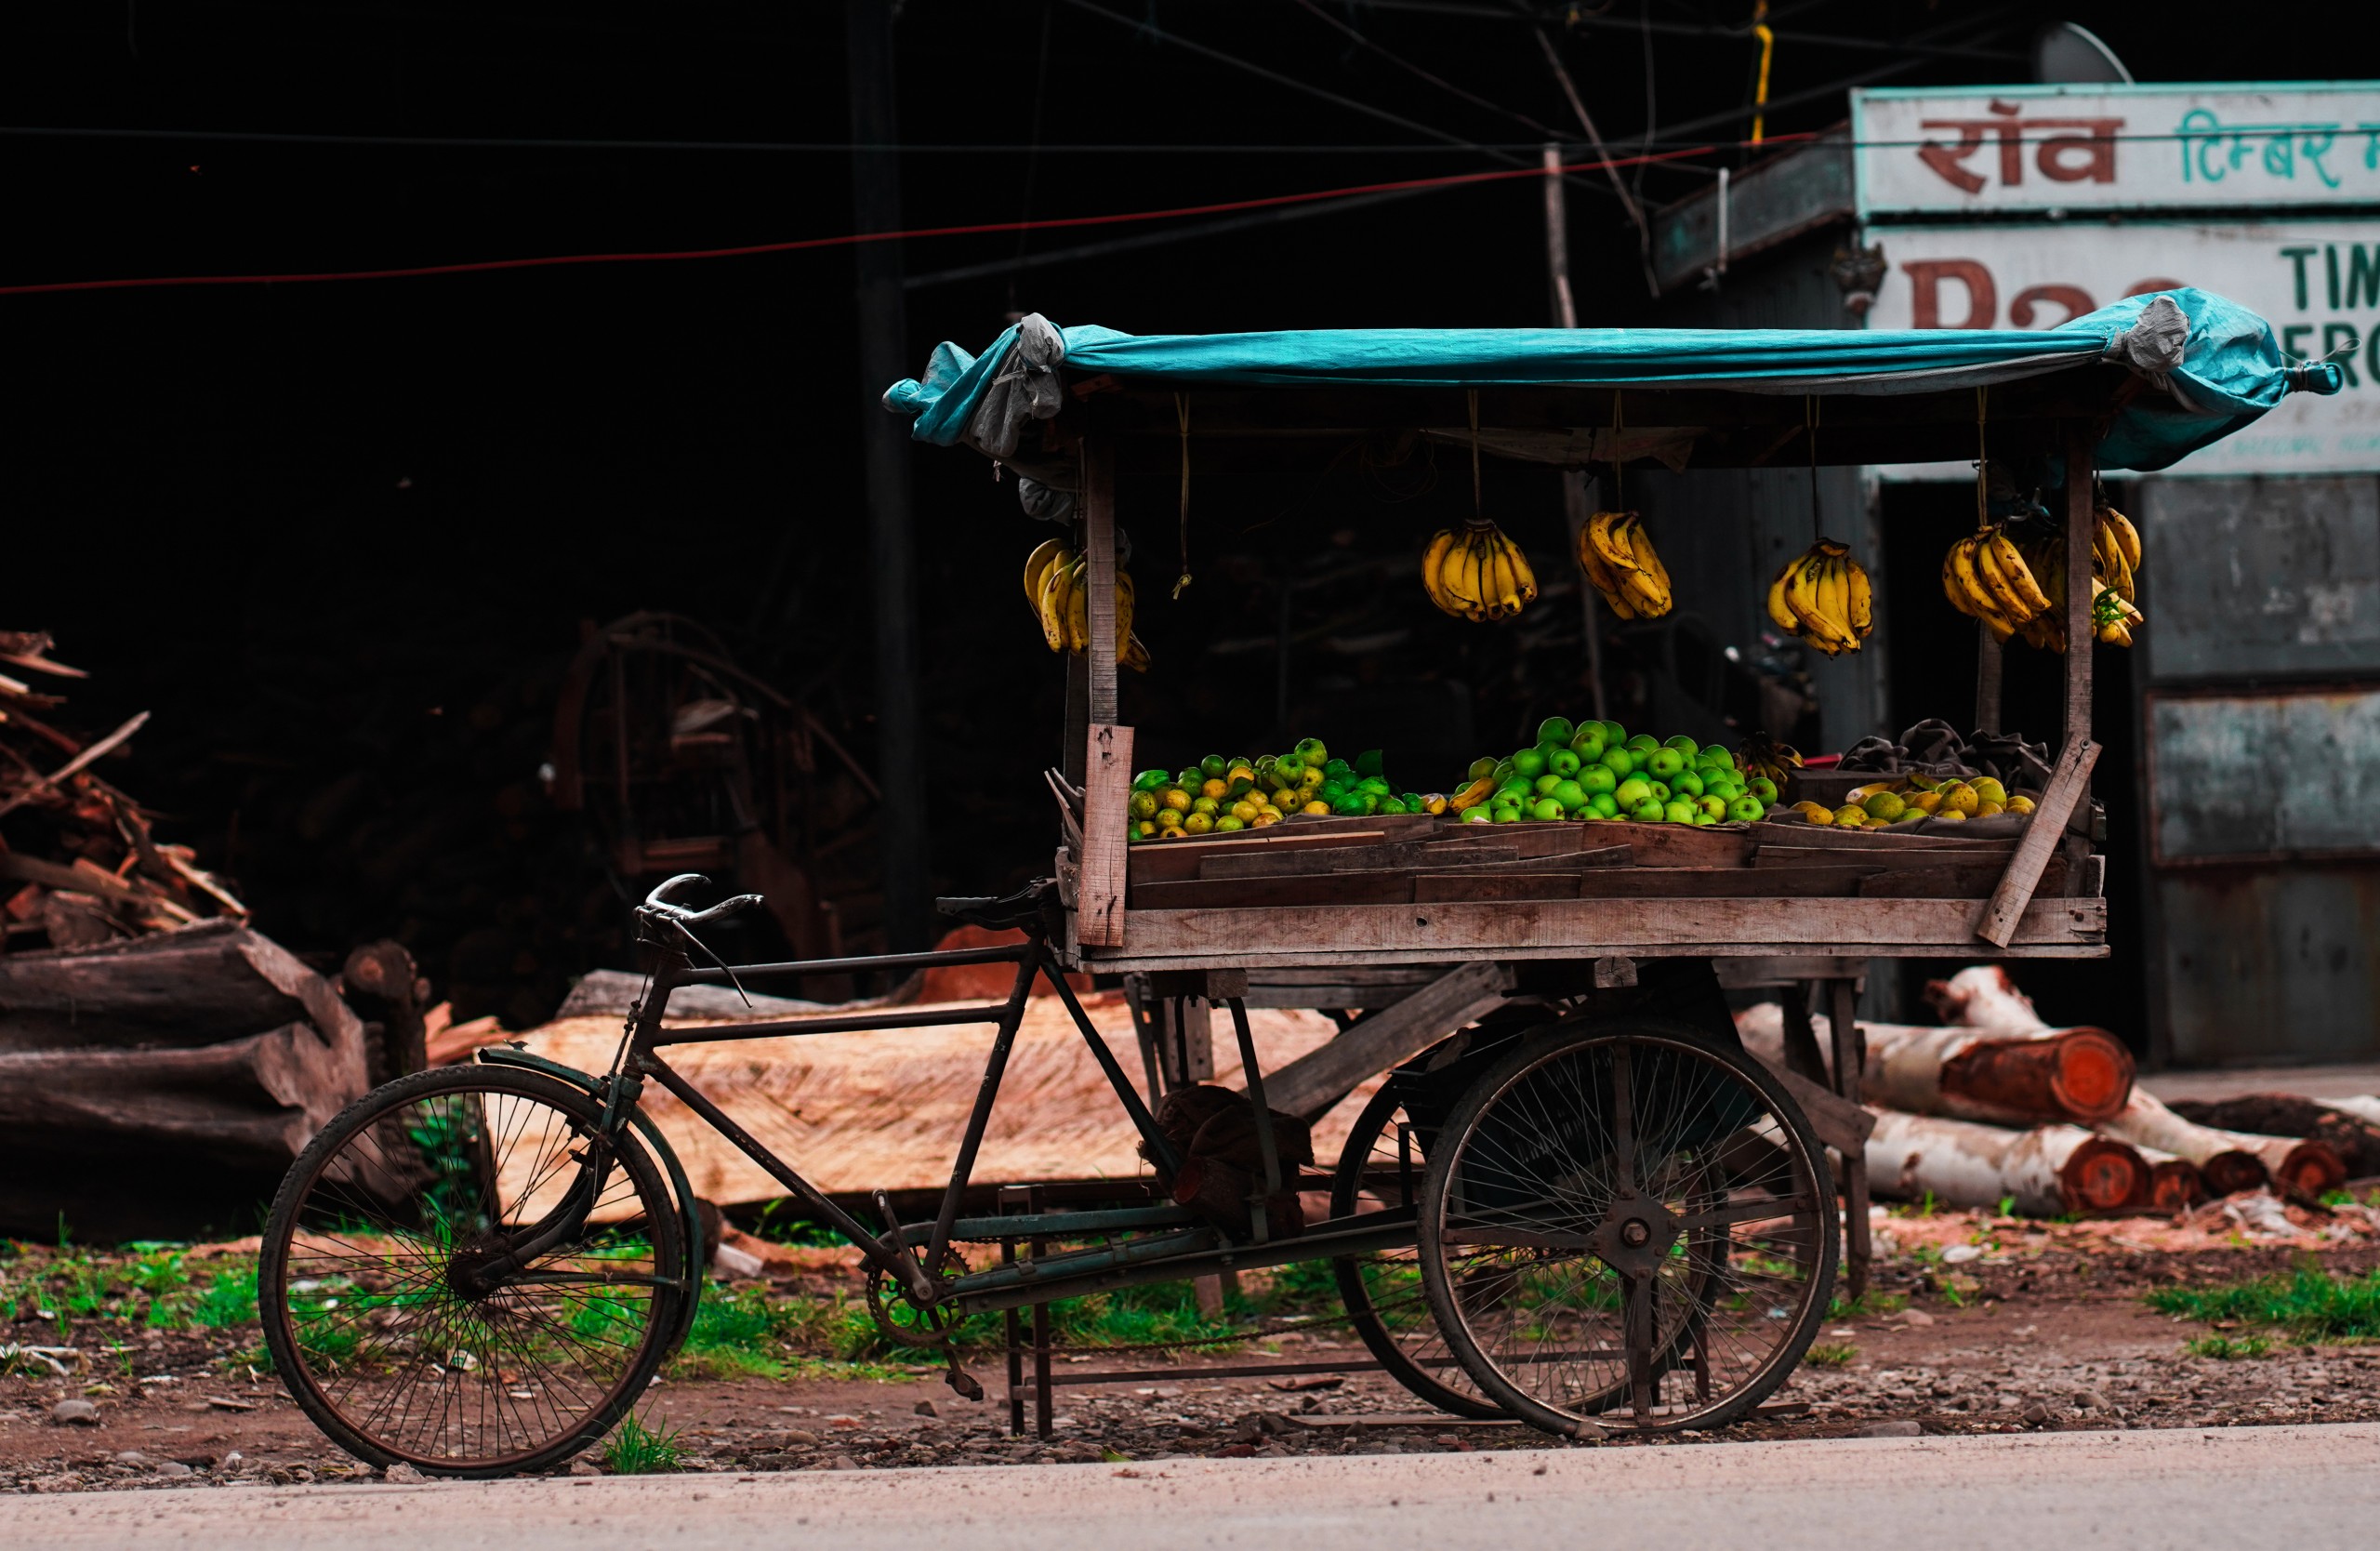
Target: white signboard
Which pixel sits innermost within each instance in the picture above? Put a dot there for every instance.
(2007, 149)
(2316, 282)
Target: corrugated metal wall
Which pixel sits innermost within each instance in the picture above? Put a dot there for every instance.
(2260, 727)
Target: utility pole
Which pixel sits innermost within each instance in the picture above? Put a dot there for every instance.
(884, 442)
(1574, 481)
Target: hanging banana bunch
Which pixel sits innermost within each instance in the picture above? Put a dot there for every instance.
(2047, 559)
(1987, 577)
(1476, 573)
(1824, 597)
(1057, 584)
(1617, 554)
(2115, 559)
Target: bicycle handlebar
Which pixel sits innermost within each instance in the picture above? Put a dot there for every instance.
(657, 902)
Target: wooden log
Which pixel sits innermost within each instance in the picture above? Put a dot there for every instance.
(2228, 1161)
(2174, 1182)
(2001, 1077)
(2049, 1171)
(193, 987)
(379, 979)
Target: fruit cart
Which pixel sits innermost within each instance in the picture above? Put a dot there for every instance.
(1431, 926)
(1568, 1193)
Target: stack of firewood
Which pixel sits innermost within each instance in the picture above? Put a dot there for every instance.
(1998, 1106)
(78, 864)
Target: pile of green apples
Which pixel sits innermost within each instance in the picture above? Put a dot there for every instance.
(1595, 771)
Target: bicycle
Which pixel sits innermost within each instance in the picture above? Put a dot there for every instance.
(477, 1270)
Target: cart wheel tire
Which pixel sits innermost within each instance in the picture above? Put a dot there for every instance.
(1381, 1170)
(367, 1285)
(1627, 1225)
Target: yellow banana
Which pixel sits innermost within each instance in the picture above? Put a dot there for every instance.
(2012, 605)
(1036, 565)
(1802, 594)
(1134, 656)
(1433, 559)
(2013, 571)
(1981, 601)
(1522, 573)
(1053, 605)
(1862, 611)
(1649, 564)
(1508, 581)
(1950, 588)
(1078, 607)
(1615, 551)
(1124, 599)
(2127, 537)
(1782, 616)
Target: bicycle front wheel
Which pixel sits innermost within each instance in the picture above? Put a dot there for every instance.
(462, 1274)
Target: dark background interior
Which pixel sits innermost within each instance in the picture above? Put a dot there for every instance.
(343, 537)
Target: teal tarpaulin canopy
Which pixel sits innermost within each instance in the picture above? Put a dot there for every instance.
(2216, 364)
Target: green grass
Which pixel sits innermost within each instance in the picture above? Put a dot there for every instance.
(2226, 1349)
(1871, 1303)
(2308, 1305)
(229, 1300)
(1837, 1354)
(636, 1450)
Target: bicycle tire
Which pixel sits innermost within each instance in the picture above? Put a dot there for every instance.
(388, 1209)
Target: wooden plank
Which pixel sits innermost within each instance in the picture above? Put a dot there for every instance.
(1099, 546)
(1273, 894)
(1170, 861)
(2067, 784)
(1787, 970)
(1825, 836)
(1436, 887)
(1590, 928)
(1107, 784)
(1953, 880)
(2081, 525)
(1348, 858)
(1840, 1123)
(1315, 1081)
(1681, 844)
(1723, 883)
(1534, 840)
(1575, 861)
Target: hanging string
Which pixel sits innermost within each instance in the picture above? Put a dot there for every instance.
(1619, 464)
(1182, 413)
(1478, 508)
(1810, 423)
(1983, 515)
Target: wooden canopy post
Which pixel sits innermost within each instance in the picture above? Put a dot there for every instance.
(1987, 679)
(2078, 636)
(1107, 755)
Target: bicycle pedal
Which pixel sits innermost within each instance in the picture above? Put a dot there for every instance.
(966, 1383)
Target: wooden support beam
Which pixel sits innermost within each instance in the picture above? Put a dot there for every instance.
(1850, 1059)
(2068, 784)
(2079, 637)
(1107, 786)
(1315, 1081)
(1987, 679)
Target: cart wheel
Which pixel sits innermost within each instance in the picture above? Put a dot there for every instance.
(411, 1302)
(1380, 1170)
(1628, 1218)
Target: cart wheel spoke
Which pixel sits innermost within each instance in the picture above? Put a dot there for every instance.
(1610, 1210)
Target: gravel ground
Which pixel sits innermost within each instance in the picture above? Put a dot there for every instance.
(2037, 1329)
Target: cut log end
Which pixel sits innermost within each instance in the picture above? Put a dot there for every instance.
(2311, 1169)
(2093, 1075)
(2174, 1186)
(2101, 1175)
(2228, 1173)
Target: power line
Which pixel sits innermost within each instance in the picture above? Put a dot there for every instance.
(484, 266)
(832, 148)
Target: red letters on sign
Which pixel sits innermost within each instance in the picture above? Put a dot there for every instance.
(2074, 299)
(1926, 277)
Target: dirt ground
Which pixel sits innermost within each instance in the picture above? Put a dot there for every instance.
(1974, 1324)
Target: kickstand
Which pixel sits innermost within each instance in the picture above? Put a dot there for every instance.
(966, 1383)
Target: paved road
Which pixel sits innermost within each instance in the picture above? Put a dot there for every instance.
(2302, 1488)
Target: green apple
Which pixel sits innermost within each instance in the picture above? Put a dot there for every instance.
(1633, 793)
(1555, 729)
(1597, 778)
(1545, 809)
(1679, 811)
(1646, 812)
(1685, 783)
(1620, 761)
(1762, 787)
(1530, 762)
(1745, 810)
(1564, 762)
(1604, 804)
(1665, 763)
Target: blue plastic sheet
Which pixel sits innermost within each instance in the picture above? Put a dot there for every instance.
(2220, 362)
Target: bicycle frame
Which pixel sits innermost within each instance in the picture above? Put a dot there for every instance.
(1189, 1249)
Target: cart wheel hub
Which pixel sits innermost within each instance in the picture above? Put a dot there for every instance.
(1635, 1234)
